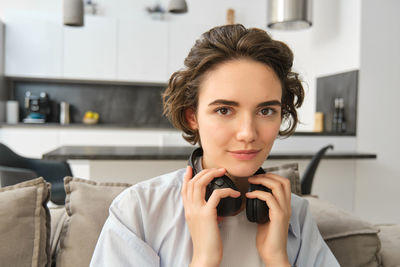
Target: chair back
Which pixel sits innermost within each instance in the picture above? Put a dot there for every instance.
(52, 171)
(308, 175)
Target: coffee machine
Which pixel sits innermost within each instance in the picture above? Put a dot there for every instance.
(38, 108)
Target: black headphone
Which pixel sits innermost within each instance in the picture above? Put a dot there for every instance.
(256, 209)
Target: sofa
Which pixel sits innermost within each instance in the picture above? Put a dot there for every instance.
(34, 232)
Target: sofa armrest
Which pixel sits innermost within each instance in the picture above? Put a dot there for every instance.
(354, 242)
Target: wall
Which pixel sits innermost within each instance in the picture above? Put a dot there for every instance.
(330, 46)
(378, 181)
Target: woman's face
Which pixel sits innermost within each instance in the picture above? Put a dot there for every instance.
(238, 116)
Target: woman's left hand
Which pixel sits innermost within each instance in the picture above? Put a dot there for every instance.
(272, 236)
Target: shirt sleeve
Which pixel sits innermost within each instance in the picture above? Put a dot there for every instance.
(313, 249)
(119, 246)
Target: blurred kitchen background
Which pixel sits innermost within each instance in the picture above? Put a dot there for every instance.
(99, 84)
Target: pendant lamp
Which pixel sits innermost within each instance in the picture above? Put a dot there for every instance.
(289, 14)
(177, 6)
(73, 12)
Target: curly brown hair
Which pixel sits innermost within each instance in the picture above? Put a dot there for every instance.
(225, 43)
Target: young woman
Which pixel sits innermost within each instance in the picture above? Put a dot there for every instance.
(234, 97)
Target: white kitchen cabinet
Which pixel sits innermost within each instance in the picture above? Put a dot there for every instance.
(110, 137)
(29, 142)
(33, 44)
(142, 50)
(90, 52)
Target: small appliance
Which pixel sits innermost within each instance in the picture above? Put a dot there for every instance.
(38, 108)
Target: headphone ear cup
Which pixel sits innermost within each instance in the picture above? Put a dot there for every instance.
(227, 206)
(256, 209)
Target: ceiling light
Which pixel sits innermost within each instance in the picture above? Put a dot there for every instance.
(73, 12)
(289, 14)
(177, 6)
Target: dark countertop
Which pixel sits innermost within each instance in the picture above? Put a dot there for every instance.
(169, 153)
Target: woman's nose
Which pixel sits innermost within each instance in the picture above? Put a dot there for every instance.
(247, 130)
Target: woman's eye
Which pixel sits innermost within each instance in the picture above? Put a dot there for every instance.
(267, 111)
(223, 111)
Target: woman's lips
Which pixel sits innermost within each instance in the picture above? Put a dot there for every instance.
(244, 154)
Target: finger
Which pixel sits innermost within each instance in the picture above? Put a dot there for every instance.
(217, 194)
(199, 189)
(285, 182)
(192, 183)
(204, 172)
(276, 187)
(271, 201)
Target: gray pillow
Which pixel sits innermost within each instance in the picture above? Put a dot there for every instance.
(290, 171)
(25, 224)
(354, 242)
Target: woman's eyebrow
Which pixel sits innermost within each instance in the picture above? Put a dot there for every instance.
(269, 103)
(236, 104)
(224, 102)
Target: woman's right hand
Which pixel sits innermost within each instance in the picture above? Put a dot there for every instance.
(201, 215)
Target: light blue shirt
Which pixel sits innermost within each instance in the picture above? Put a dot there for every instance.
(147, 227)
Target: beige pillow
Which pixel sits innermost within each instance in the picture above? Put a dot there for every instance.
(25, 224)
(290, 171)
(87, 204)
(353, 241)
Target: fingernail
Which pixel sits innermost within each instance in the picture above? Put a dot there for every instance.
(221, 169)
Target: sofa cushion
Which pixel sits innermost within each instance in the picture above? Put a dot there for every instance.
(25, 224)
(390, 239)
(353, 241)
(86, 204)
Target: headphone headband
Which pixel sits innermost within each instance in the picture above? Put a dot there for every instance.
(198, 152)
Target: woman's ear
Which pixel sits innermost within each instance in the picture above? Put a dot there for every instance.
(190, 116)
